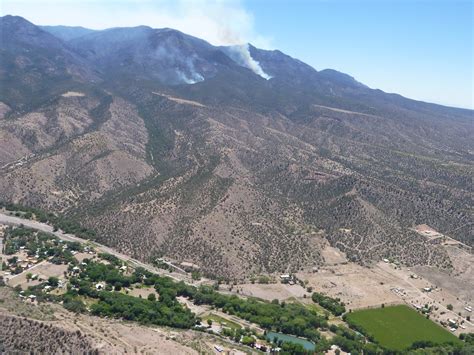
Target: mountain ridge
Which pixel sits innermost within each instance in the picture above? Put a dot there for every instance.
(165, 145)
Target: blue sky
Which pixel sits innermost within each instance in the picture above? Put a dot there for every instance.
(420, 49)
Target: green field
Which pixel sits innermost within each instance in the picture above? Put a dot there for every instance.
(398, 327)
(222, 321)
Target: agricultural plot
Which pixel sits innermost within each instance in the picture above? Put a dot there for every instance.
(224, 322)
(398, 327)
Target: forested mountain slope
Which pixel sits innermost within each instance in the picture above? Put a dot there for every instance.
(237, 159)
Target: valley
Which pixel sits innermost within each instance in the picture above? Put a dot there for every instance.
(358, 287)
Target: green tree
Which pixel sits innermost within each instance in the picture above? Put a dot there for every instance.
(247, 340)
(53, 281)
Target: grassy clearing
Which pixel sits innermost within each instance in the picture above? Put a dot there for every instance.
(222, 321)
(316, 308)
(398, 327)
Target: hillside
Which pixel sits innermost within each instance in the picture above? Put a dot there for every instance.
(239, 160)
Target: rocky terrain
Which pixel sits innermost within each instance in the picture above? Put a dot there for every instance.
(167, 145)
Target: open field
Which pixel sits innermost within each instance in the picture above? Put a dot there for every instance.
(360, 287)
(357, 286)
(142, 291)
(270, 292)
(221, 321)
(398, 327)
(44, 270)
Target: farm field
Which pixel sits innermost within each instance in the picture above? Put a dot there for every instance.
(222, 321)
(398, 327)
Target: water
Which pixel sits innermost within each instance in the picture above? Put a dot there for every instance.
(291, 339)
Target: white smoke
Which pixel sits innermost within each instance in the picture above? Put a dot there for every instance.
(193, 78)
(241, 54)
(220, 22)
(185, 69)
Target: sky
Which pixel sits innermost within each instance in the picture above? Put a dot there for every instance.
(421, 49)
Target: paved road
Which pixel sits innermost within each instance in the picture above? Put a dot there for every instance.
(16, 221)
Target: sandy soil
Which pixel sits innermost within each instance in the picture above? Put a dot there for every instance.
(357, 286)
(271, 291)
(81, 256)
(333, 256)
(43, 270)
(144, 292)
(199, 310)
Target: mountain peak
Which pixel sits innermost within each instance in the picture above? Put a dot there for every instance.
(341, 78)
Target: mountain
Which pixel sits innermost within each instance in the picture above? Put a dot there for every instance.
(36, 65)
(67, 33)
(166, 55)
(240, 160)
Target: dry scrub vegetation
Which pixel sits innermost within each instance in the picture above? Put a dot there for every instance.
(21, 335)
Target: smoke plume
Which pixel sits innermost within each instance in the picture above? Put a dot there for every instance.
(241, 54)
(185, 70)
